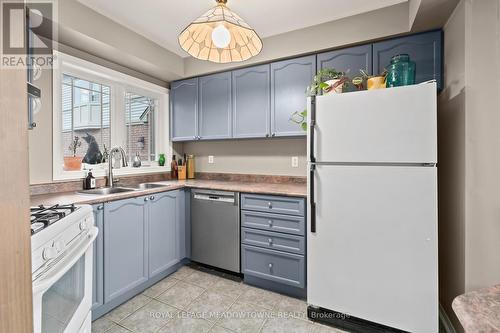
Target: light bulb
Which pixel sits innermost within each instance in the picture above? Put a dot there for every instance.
(221, 37)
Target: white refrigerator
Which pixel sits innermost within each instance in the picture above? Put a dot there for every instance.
(372, 241)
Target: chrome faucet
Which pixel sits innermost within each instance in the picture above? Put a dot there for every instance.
(111, 181)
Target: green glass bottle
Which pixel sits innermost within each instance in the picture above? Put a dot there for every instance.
(401, 71)
(161, 160)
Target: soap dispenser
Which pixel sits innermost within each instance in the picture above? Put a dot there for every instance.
(89, 182)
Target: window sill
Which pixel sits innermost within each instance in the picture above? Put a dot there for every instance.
(102, 171)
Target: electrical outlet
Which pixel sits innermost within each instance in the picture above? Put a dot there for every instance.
(210, 159)
(295, 161)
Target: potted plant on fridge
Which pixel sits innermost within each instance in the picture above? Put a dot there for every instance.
(73, 163)
(370, 81)
(327, 81)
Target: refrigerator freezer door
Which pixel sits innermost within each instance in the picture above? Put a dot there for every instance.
(397, 125)
(374, 252)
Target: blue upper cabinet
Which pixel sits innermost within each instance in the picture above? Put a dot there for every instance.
(184, 110)
(349, 60)
(251, 102)
(215, 110)
(425, 50)
(289, 80)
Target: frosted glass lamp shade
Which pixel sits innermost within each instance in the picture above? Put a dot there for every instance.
(220, 36)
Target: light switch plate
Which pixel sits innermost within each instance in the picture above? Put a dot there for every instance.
(295, 161)
(210, 159)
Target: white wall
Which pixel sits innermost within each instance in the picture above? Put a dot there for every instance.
(469, 146)
(85, 29)
(482, 63)
(451, 164)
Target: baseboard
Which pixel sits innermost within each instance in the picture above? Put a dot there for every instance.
(357, 325)
(445, 325)
(275, 286)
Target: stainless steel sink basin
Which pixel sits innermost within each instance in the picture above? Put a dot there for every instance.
(107, 190)
(147, 186)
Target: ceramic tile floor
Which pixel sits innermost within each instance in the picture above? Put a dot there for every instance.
(196, 301)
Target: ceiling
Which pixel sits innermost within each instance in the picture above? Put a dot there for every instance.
(162, 20)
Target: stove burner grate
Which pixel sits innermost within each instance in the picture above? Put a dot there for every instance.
(42, 217)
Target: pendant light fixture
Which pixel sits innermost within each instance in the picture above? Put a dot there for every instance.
(220, 36)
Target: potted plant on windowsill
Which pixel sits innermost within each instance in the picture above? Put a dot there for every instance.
(73, 163)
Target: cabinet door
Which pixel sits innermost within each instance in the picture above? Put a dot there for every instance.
(183, 221)
(162, 212)
(425, 50)
(98, 265)
(215, 107)
(251, 102)
(349, 60)
(289, 80)
(184, 110)
(125, 247)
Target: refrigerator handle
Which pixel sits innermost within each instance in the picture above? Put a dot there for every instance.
(312, 124)
(312, 202)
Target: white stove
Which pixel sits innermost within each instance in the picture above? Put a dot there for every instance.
(61, 251)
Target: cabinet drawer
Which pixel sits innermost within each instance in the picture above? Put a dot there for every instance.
(281, 267)
(273, 222)
(273, 240)
(274, 204)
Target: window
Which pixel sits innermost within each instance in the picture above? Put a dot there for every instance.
(86, 115)
(102, 109)
(139, 119)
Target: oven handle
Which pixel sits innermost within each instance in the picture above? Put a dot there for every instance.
(45, 281)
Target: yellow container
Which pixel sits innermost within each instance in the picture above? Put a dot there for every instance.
(181, 172)
(377, 82)
(190, 166)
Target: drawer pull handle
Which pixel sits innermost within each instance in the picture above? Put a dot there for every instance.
(270, 241)
(270, 266)
(270, 205)
(151, 197)
(270, 223)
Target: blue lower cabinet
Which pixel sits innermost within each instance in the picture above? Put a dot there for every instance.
(98, 260)
(141, 240)
(273, 240)
(162, 212)
(282, 267)
(125, 247)
(273, 222)
(273, 204)
(273, 245)
(425, 49)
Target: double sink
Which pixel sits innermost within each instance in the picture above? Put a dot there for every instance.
(115, 190)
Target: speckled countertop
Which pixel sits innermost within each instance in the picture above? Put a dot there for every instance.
(479, 311)
(284, 189)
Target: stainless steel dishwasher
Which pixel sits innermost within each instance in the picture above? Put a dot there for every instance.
(215, 229)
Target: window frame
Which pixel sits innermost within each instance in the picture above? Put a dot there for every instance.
(119, 84)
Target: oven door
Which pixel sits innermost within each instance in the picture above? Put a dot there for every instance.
(62, 292)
